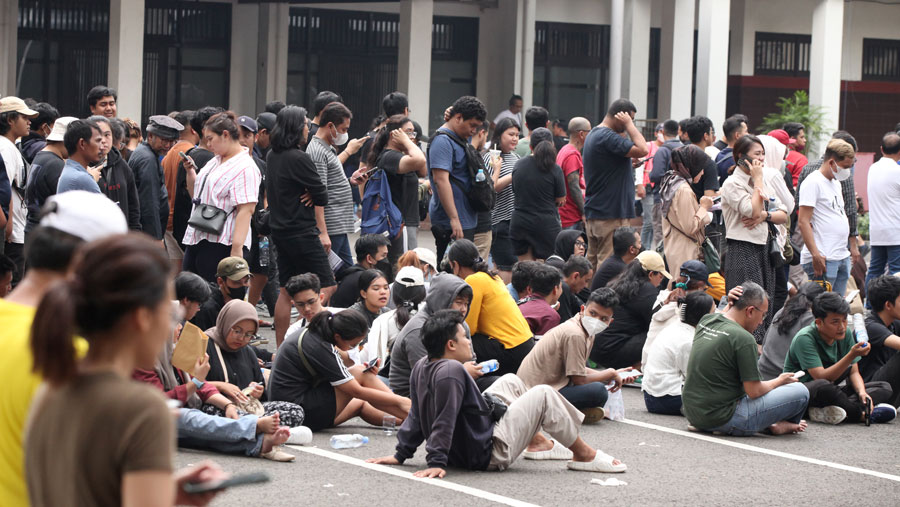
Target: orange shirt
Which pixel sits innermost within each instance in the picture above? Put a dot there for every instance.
(170, 169)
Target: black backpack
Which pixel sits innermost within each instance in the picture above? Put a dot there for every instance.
(481, 195)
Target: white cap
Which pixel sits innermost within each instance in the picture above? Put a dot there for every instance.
(59, 128)
(410, 276)
(87, 215)
(427, 256)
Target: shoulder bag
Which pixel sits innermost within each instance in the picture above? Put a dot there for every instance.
(252, 405)
(206, 217)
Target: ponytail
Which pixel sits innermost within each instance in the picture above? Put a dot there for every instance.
(407, 300)
(51, 335)
(347, 324)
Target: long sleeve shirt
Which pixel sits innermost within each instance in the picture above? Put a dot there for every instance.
(152, 195)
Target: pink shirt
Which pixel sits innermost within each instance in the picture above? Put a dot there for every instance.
(569, 159)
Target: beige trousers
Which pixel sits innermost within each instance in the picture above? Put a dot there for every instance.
(600, 235)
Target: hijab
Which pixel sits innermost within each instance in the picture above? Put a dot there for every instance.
(687, 162)
(233, 312)
(565, 243)
(774, 152)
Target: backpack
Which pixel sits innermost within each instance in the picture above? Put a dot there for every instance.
(379, 213)
(481, 194)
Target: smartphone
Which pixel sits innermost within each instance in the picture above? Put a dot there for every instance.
(746, 162)
(717, 199)
(194, 488)
(370, 171)
(371, 364)
(182, 155)
(851, 295)
(799, 374)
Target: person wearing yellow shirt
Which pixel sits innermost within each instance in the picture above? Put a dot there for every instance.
(499, 331)
(70, 219)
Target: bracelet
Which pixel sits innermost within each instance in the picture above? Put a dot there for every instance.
(225, 408)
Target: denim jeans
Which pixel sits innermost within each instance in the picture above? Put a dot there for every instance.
(666, 405)
(647, 228)
(589, 395)
(340, 244)
(883, 257)
(784, 403)
(836, 273)
(198, 430)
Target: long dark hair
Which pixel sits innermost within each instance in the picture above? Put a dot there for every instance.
(630, 281)
(288, 130)
(465, 253)
(384, 137)
(347, 324)
(542, 149)
(797, 306)
(407, 300)
(504, 125)
(114, 277)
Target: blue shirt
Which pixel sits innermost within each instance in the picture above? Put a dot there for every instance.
(724, 162)
(75, 177)
(608, 175)
(445, 154)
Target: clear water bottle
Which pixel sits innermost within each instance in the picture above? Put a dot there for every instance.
(264, 251)
(480, 176)
(859, 327)
(723, 303)
(489, 366)
(348, 441)
(770, 204)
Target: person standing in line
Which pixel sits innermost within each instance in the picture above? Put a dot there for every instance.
(506, 136)
(84, 142)
(884, 209)
(536, 117)
(514, 112)
(15, 122)
(41, 126)
(46, 168)
(187, 140)
(661, 160)
(796, 160)
(116, 179)
(734, 128)
(569, 159)
(102, 101)
(149, 177)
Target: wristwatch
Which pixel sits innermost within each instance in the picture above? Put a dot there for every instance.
(198, 383)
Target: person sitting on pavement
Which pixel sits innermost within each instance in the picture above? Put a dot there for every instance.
(626, 247)
(796, 315)
(371, 253)
(519, 286)
(569, 242)
(450, 413)
(373, 294)
(560, 357)
(310, 372)
(577, 273)
(723, 390)
(883, 328)
(421, 258)
(232, 281)
(539, 309)
(306, 295)
(191, 291)
(828, 354)
(408, 293)
(667, 358)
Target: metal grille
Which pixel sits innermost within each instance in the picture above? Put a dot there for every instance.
(881, 59)
(781, 54)
(571, 44)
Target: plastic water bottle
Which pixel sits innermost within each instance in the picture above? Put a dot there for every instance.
(480, 176)
(723, 303)
(264, 251)
(859, 327)
(489, 366)
(770, 204)
(348, 441)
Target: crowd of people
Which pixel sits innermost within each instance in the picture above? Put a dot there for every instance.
(720, 276)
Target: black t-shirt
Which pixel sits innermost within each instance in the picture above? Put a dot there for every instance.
(347, 292)
(609, 269)
(630, 318)
(710, 179)
(880, 353)
(45, 170)
(404, 187)
(209, 310)
(569, 304)
(291, 380)
(289, 175)
(535, 192)
(242, 366)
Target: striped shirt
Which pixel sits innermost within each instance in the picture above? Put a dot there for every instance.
(339, 216)
(227, 185)
(503, 209)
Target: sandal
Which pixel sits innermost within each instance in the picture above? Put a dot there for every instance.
(277, 455)
(558, 452)
(602, 463)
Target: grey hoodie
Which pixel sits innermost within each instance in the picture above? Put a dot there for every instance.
(408, 347)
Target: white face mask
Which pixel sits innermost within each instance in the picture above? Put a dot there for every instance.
(341, 138)
(593, 325)
(840, 173)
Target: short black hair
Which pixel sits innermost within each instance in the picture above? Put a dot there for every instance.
(438, 330)
(192, 287)
(793, 128)
(696, 127)
(536, 117)
(670, 128)
(45, 114)
(513, 99)
(200, 116)
(623, 239)
(577, 264)
(300, 283)
(522, 272)
(469, 107)
(76, 131)
(829, 302)
(846, 136)
(605, 297)
(394, 103)
(368, 244)
(695, 306)
(619, 106)
(731, 126)
(323, 99)
(7, 266)
(6, 119)
(882, 290)
(890, 143)
(275, 106)
(545, 279)
(49, 248)
(98, 92)
(335, 113)
(119, 130)
(184, 117)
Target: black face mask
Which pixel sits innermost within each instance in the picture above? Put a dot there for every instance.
(384, 265)
(237, 293)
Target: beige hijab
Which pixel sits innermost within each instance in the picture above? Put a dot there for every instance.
(233, 312)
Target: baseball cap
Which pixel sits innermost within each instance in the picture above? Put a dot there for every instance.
(164, 127)
(248, 123)
(233, 268)
(427, 256)
(9, 104)
(652, 261)
(695, 270)
(410, 276)
(83, 214)
(782, 136)
(266, 121)
(59, 128)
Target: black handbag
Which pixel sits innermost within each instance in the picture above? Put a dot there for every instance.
(206, 217)
(496, 406)
(776, 253)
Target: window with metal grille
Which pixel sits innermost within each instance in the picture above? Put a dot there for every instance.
(881, 59)
(781, 54)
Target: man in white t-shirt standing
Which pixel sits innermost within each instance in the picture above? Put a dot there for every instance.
(514, 112)
(15, 122)
(823, 221)
(884, 209)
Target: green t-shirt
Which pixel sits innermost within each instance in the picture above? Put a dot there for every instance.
(523, 147)
(723, 356)
(808, 350)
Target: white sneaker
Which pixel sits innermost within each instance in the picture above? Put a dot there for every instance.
(831, 414)
(300, 435)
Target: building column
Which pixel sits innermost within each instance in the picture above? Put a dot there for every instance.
(272, 54)
(9, 28)
(496, 77)
(825, 65)
(524, 82)
(676, 59)
(743, 39)
(415, 51)
(712, 60)
(246, 29)
(629, 47)
(126, 55)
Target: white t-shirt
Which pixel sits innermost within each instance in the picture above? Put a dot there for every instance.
(506, 113)
(667, 359)
(15, 165)
(831, 229)
(884, 203)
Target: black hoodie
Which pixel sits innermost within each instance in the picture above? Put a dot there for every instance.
(117, 183)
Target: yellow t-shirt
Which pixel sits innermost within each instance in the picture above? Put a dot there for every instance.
(19, 385)
(716, 286)
(494, 313)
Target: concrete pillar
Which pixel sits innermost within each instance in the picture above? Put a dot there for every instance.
(246, 21)
(496, 79)
(272, 54)
(126, 55)
(415, 51)
(676, 59)
(825, 65)
(629, 47)
(9, 27)
(743, 39)
(526, 17)
(712, 60)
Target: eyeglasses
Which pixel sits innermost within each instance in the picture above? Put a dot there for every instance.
(241, 334)
(580, 243)
(305, 304)
(411, 133)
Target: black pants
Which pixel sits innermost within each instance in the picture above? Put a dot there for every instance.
(203, 258)
(823, 393)
(16, 253)
(510, 359)
(442, 239)
(890, 373)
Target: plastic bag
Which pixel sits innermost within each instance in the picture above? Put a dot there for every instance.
(615, 405)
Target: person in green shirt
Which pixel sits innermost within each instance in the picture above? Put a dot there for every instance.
(828, 354)
(723, 390)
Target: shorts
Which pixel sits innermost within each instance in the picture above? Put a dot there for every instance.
(302, 254)
(540, 238)
(320, 406)
(173, 249)
(501, 247)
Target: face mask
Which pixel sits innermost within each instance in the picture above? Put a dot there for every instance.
(340, 139)
(593, 325)
(237, 293)
(840, 173)
(384, 266)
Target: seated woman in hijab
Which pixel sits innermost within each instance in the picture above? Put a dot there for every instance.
(234, 368)
(568, 242)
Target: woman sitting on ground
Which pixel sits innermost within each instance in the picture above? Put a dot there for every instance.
(234, 367)
(569, 242)
(423, 259)
(407, 292)
(667, 358)
(374, 292)
(796, 314)
(308, 371)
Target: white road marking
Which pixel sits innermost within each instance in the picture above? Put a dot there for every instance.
(440, 483)
(761, 450)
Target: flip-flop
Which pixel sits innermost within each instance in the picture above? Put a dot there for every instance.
(602, 463)
(558, 452)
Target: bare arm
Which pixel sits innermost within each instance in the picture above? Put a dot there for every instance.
(241, 228)
(386, 401)
(640, 149)
(573, 183)
(148, 488)
(835, 371)
(445, 194)
(323, 230)
(757, 388)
